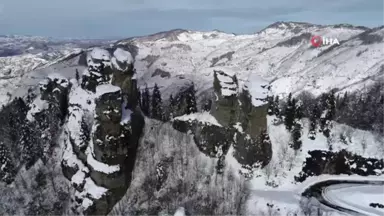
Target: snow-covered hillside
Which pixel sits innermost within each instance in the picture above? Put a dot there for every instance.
(281, 53)
(193, 123)
(20, 55)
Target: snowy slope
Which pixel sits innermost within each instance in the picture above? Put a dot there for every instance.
(278, 177)
(20, 55)
(281, 53)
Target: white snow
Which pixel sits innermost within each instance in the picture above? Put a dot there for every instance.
(180, 212)
(286, 163)
(70, 158)
(78, 178)
(86, 203)
(100, 54)
(37, 106)
(257, 87)
(106, 88)
(123, 56)
(282, 172)
(239, 127)
(288, 69)
(126, 115)
(356, 197)
(96, 192)
(99, 166)
(204, 117)
(55, 75)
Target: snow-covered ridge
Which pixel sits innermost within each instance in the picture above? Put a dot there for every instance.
(294, 67)
(193, 56)
(203, 117)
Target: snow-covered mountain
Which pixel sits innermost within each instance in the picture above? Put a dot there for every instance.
(281, 53)
(19, 55)
(192, 123)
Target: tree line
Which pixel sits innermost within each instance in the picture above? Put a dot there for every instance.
(362, 110)
(153, 106)
(320, 111)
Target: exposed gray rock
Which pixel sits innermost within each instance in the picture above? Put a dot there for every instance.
(179, 46)
(295, 40)
(212, 140)
(227, 55)
(150, 59)
(161, 73)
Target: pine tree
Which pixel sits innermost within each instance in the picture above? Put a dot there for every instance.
(157, 109)
(32, 149)
(172, 106)
(84, 133)
(7, 169)
(315, 115)
(138, 96)
(329, 112)
(296, 137)
(207, 105)
(266, 144)
(277, 111)
(191, 100)
(271, 105)
(331, 106)
(299, 110)
(77, 76)
(145, 99)
(289, 113)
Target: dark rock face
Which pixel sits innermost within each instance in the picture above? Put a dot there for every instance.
(376, 205)
(242, 125)
(108, 148)
(342, 162)
(178, 46)
(237, 110)
(295, 40)
(98, 74)
(104, 136)
(55, 90)
(250, 152)
(227, 55)
(114, 144)
(212, 140)
(161, 73)
(369, 37)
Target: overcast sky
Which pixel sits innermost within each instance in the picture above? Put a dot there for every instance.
(125, 18)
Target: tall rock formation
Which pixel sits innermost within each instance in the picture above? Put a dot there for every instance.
(102, 132)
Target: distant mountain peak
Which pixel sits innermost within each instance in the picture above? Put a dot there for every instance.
(296, 27)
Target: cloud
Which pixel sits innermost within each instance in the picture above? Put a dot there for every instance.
(124, 18)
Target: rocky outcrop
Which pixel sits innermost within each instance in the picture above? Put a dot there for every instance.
(234, 108)
(104, 132)
(233, 105)
(212, 140)
(341, 162)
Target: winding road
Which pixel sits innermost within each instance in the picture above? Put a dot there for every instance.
(349, 197)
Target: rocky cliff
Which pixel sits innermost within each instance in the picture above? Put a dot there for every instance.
(102, 131)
